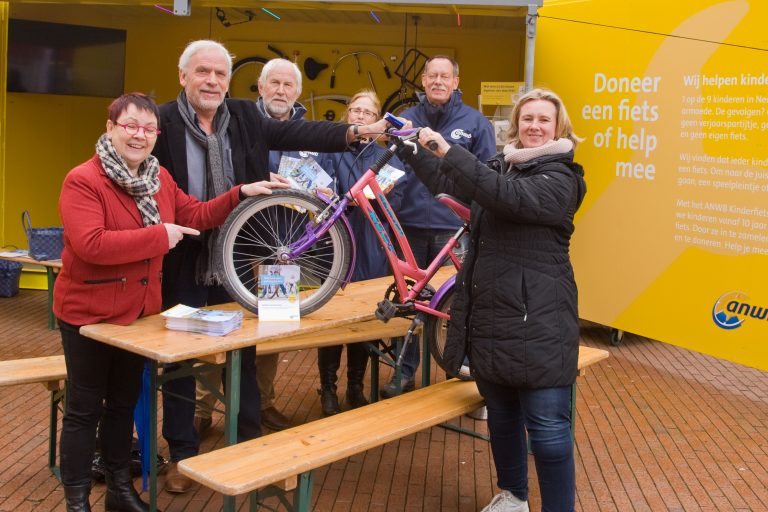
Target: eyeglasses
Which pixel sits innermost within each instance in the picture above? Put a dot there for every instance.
(150, 132)
(365, 113)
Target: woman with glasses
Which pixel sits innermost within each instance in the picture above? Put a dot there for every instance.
(371, 261)
(122, 213)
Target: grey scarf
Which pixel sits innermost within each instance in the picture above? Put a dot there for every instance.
(142, 187)
(216, 181)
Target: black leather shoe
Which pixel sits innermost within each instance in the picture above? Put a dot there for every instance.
(329, 402)
(76, 498)
(121, 495)
(355, 396)
(274, 419)
(391, 388)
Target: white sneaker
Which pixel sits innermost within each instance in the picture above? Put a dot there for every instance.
(505, 501)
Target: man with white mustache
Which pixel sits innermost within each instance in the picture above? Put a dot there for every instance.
(427, 223)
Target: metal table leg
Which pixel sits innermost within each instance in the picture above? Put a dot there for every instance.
(232, 410)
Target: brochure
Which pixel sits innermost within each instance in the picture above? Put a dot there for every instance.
(386, 177)
(278, 292)
(304, 173)
(214, 322)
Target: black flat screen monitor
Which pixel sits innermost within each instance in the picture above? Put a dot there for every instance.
(55, 58)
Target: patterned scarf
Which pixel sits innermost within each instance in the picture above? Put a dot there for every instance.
(515, 155)
(142, 187)
(216, 183)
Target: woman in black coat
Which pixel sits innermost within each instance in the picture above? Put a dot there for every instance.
(514, 314)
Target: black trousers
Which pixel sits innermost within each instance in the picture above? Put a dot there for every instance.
(179, 287)
(103, 384)
(329, 361)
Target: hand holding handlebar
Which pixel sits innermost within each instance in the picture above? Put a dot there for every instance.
(433, 141)
(427, 137)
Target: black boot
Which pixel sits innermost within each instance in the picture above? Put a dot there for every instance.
(357, 362)
(329, 401)
(76, 497)
(328, 361)
(121, 495)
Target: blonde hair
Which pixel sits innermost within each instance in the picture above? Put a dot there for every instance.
(563, 127)
(364, 93)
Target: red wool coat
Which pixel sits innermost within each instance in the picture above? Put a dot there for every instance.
(112, 264)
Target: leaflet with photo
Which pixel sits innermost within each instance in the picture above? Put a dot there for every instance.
(214, 322)
(386, 178)
(278, 292)
(304, 173)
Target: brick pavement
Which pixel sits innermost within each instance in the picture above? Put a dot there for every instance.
(658, 428)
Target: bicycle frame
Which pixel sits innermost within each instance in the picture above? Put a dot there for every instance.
(401, 268)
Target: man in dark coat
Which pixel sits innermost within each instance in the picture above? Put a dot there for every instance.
(209, 144)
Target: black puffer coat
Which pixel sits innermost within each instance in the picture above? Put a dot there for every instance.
(514, 313)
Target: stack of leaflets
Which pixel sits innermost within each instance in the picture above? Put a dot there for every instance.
(213, 322)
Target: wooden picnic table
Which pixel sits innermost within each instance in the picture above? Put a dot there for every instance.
(335, 323)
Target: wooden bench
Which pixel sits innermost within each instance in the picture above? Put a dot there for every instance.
(285, 460)
(50, 372)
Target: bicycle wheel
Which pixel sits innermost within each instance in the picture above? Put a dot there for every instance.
(436, 332)
(244, 82)
(328, 107)
(398, 101)
(261, 230)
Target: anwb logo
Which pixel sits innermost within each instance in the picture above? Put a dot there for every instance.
(732, 309)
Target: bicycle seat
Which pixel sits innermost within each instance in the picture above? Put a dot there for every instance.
(456, 206)
(312, 68)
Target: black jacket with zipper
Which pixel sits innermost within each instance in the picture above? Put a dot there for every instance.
(514, 312)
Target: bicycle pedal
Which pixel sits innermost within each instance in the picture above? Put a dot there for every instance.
(385, 310)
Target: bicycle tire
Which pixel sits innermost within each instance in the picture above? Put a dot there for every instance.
(260, 229)
(244, 82)
(436, 332)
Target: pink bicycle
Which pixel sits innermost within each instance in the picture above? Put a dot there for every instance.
(291, 227)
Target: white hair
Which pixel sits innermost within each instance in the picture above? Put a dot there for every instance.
(274, 63)
(200, 45)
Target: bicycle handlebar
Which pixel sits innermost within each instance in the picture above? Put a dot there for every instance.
(408, 136)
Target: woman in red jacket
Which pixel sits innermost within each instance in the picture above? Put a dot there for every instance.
(122, 213)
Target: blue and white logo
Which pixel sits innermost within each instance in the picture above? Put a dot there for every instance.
(732, 309)
(459, 133)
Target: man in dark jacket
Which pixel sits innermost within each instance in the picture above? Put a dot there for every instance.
(428, 224)
(208, 145)
(279, 88)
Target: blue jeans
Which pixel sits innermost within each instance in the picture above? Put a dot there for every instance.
(426, 244)
(546, 415)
